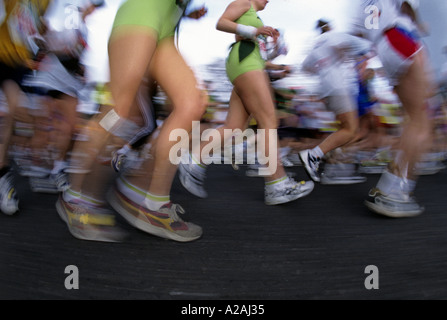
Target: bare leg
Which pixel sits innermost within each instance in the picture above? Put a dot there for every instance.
(416, 134)
(178, 81)
(346, 133)
(65, 125)
(254, 90)
(12, 93)
(130, 54)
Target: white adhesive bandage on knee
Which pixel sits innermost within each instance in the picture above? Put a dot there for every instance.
(248, 32)
(119, 127)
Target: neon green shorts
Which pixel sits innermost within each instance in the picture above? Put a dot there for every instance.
(162, 16)
(244, 56)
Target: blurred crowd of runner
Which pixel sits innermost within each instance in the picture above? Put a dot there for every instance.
(47, 105)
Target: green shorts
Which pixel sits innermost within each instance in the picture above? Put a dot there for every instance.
(162, 16)
(244, 56)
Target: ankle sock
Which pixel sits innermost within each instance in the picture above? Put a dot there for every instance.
(58, 166)
(155, 202)
(391, 184)
(277, 184)
(131, 191)
(317, 153)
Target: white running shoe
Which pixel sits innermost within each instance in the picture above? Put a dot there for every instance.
(341, 173)
(311, 165)
(392, 207)
(336, 180)
(60, 180)
(291, 191)
(192, 180)
(9, 203)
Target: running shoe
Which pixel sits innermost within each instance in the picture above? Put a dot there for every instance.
(286, 162)
(165, 223)
(118, 160)
(372, 168)
(373, 162)
(60, 180)
(34, 171)
(43, 185)
(9, 203)
(406, 207)
(425, 168)
(88, 222)
(291, 191)
(340, 180)
(340, 174)
(192, 180)
(311, 164)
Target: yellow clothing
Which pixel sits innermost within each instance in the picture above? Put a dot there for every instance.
(22, 19)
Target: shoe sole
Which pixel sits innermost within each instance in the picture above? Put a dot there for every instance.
(342, 182)
(146, 227)
(398, 214)
(287, 200)
(309, 170)
(372, 170)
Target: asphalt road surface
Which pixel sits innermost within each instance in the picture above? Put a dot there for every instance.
(323, 247)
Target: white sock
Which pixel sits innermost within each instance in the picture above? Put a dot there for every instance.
(124, 149)
(277, 184)
(155, 202)
(387, 182)
(317, 153)
(390, 184)
(132, 192)
(58, 166)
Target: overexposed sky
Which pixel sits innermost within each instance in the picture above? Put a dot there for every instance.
(200, 42)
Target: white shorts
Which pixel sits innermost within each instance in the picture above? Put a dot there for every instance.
(340, 103)
(52, 75)
(396, 51)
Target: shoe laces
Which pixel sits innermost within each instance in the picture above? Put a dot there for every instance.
(315, 162)
(173, 212)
